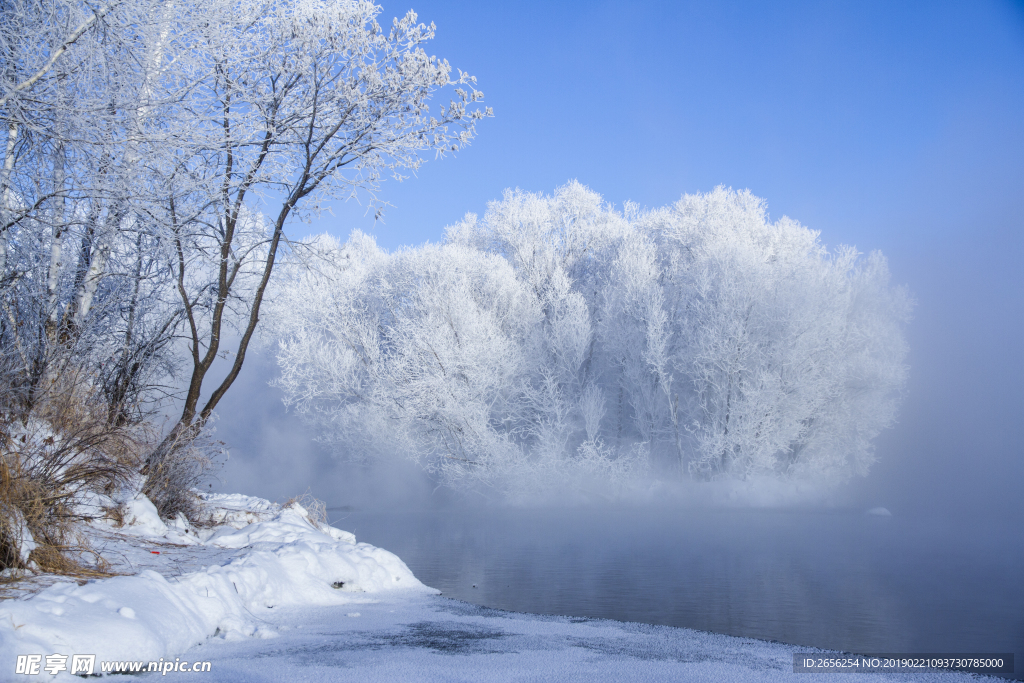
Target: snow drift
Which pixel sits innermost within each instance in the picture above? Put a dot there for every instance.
(287, 560)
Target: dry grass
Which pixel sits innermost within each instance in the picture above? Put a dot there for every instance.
(316, 509)
(52, 454)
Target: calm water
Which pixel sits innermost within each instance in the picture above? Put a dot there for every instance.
(842, 581)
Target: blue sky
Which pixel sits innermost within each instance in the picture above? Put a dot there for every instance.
(873, 122)
(887, 125)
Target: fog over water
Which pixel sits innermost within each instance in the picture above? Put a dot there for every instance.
(892, 129)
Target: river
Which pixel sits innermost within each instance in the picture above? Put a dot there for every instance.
(840, 580)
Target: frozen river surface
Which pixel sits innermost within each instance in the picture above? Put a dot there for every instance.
(428, 638)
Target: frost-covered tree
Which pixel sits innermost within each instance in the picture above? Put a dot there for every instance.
(156, 148)
(77, 273)
(154, 157)
(771, 331)
(557, 339)
(300, 101)
(423, 350)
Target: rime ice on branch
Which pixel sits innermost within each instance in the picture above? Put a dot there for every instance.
(560, 340)
(154, 155)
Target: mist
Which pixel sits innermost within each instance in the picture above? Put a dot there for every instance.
(956, 448)
(272, 454)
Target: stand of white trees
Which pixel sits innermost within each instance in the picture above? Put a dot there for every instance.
(558, 341)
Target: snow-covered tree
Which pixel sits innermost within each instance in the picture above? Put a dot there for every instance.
(155, 154)
(301, 101)
(557, 336)
(77, 272)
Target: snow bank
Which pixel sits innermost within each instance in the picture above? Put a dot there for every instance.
(284, 559)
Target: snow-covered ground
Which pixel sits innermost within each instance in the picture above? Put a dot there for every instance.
(189, 585)
(269, 595)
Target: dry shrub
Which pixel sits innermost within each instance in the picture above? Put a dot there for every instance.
(173, 483)
(115, 515)
(54, 452)
(59, 445)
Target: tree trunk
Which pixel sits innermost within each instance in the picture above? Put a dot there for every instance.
(5, 194)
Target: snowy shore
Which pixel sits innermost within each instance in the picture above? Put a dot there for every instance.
(188, 585)
(269, 595)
